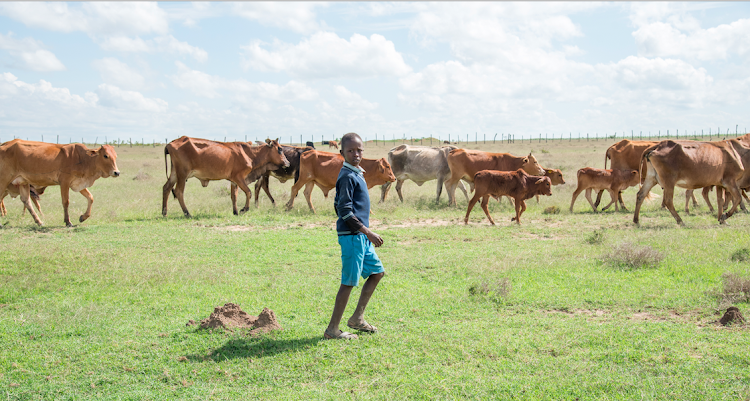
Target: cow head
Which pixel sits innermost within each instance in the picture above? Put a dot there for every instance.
(106, 161)
(531, 166)
(277, 154)
(633, 178)
(555, 175)
(544, 186)
(384, 169)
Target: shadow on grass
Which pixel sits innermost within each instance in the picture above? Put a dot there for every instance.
(249, 347)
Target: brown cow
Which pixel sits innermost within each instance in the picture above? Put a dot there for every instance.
(322, 169)
(40, 164)
(625, 155)
(292, 154)
(691, 165)
(333, 144)
(465, 163)
(555, 176)
(515, 184)
(614, 181)
(210, 160)
(14, 191)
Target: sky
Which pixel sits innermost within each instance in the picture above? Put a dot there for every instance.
(315, 70)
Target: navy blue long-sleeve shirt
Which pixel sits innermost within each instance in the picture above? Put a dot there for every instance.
(352, 201)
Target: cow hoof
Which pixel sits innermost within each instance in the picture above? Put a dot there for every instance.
(188, 216)
(234, 212)
(67, 224)
(81, 219)
(244, 209)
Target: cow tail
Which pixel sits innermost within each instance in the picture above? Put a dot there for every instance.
(166, 168)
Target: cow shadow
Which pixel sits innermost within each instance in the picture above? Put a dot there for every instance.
(252, 347)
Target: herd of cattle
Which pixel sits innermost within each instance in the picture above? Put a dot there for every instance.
(27, 168)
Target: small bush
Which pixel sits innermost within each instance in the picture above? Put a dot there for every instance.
(545, 151)
(495, 292)
(630, 256)
(551, 210)
(734, 289)
(596, 237)
(741, 255)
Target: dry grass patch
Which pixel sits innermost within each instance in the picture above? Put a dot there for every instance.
(735, 288)
(741, 255)
(496, 292)
(630, 256)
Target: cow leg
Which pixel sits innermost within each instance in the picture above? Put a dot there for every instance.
(521, 207)
(264, 185)
(735, 193)
(439, 189)
(179, 192)
(240, 181)
(90, 198)
(598, 198)
(399, 184)
(308, 195)
(450, 185)
(167, 189)
(669, 202)
(622, 203)
(26, 199)
(472, 202)
(3, 212)
(295, 190)
(65, 197)
(575, 195)
(688, 195)
(462, 187)
(3, 192)
(648, 183)
(613, 199)
(384, 191)
(485, 202)
(233, 196)
(588, 198)
(706, 190)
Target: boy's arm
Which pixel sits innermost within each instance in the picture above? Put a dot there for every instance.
(372, 236)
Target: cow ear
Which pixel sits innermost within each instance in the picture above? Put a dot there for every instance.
(268, 142)
(541, 180)
(525, 160)
(549, 171)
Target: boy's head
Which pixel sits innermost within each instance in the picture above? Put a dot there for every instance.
(352, 148)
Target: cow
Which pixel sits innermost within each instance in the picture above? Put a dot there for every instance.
(292, 154)
(310, 144)
(613, 180)
(333, 145)
(691, 165)
(516, 184)
(555, 176)
(14, 191)
(322, 169)
(743, 183)
(465, 163)
(40, 164)
(210, 160)
(447, 142)
(419, 164)
(625, 155)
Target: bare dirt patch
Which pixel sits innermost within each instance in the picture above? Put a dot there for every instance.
(230, 317)
(415, 223)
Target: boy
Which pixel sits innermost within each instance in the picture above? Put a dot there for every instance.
(358, 258)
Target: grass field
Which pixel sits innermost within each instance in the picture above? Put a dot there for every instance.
(537, 311)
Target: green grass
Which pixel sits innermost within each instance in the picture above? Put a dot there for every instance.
(99, 311)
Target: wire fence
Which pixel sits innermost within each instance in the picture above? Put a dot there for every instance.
(709, 134)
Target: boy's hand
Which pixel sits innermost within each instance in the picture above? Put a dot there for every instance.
(374, 238)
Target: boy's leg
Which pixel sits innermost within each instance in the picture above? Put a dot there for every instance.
(358, 318)
(342, 298)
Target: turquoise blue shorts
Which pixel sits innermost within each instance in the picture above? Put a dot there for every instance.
(358, 258)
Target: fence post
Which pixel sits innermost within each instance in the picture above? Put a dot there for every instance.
(131, 142)
(587, 137)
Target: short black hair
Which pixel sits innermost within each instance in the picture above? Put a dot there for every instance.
(349, 137)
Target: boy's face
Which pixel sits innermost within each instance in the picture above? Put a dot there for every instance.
(352, 151)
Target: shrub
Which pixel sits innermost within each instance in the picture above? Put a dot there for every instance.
(741, 255)
(630, 256)
(551, 210)
(734, 289)
(495, 292)
(596, 237)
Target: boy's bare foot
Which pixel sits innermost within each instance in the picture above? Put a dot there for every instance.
(361, 325)
(341, 335)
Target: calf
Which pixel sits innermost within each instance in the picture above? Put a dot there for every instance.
(614, 181)
(310, 144)
(555, 175)
(14, 191)
(333, 144)
(292, 154)
(516, 184)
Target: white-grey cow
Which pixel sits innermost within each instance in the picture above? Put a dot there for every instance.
(419, 164)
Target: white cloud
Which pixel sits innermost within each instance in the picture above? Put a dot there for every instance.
(209, 86)
(112, 96)
(31, 54)
(325, 55)
(94, 18)
(125, 44)
(42, 93)
(298, 17)
(119, 74)
(351, 100)
(171, 45)
(660, 39)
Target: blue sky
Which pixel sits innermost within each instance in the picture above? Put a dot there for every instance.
(258, 70)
